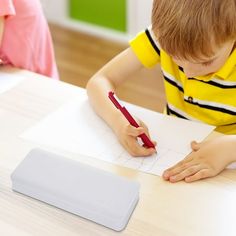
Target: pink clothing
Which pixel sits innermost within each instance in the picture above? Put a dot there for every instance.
(26, 41)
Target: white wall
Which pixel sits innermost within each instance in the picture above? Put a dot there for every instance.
(55, 10)
(139, 14)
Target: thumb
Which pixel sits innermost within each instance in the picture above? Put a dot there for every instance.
(195, 145)
(145, 128)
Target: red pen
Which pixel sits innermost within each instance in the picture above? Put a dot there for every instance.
(147, 142)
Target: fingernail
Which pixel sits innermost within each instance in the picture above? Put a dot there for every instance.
(166, 175)
(187, 179)
(172, 178)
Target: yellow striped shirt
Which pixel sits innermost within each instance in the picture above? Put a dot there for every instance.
(209, 99)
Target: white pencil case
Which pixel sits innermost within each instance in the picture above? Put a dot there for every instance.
(94, 194)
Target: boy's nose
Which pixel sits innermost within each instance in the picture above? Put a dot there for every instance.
(189, 73)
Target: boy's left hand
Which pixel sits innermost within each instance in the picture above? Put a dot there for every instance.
(207, 159)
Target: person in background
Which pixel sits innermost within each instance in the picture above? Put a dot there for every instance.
(194, 42)
(25, 40)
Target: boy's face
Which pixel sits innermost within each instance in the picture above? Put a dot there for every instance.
(207, 65)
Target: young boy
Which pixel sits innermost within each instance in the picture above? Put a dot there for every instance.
(194, 42)
(25, 40)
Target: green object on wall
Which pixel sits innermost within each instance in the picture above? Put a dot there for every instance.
(106, 13)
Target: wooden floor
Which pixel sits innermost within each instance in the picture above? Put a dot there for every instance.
(80, 55)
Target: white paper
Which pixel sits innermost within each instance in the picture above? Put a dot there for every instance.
(76, 128)
(8, 81)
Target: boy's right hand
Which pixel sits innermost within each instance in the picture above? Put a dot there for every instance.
(128, 137)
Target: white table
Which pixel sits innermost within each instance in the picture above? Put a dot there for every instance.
(206, 207)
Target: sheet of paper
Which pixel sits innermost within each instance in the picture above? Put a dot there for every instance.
(8, 81)
(76, 128)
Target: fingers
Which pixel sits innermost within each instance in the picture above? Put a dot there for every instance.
(136, 150)
(132, 145)
(135, 132)
(190, 174)
(185, 173)
(176, 169)
(201, 174)
(145, 129)
(132, 131)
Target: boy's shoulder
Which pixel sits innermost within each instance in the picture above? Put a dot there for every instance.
(146, 47)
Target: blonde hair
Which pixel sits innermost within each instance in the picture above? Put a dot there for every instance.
(192, 28)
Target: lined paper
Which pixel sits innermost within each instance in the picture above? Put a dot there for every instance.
(76, 128)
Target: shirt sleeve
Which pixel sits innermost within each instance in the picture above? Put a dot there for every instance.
(146, 48)
(7, 8)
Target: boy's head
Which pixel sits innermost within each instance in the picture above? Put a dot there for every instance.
(198, 34)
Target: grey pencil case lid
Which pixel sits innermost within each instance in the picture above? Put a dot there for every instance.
(92, 193)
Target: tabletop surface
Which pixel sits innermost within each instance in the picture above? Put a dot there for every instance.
(206, 207)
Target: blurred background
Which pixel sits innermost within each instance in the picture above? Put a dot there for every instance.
(89, 33)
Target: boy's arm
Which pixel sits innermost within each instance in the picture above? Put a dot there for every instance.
(108, 79)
